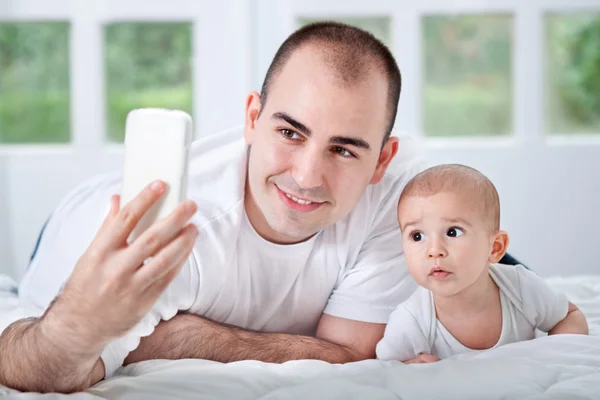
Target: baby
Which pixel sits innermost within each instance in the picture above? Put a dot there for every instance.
(449, 216)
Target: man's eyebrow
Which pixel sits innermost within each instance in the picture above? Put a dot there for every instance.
(339, 140)
(293, 122)
(350, 141)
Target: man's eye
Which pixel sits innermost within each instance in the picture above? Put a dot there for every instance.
(455, 232)
(289, 134)
(416, 236)
(342, 152)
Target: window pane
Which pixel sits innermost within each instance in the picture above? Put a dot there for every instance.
(573, 73)
(34, 82)
(148, 65)
(467, 75)
(378, 26)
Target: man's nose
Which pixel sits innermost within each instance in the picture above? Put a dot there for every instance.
(308, 168)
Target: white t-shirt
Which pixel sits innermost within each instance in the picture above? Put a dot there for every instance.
(354, 269)
(528, 303)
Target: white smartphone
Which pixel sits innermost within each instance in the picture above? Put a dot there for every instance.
(157, 144)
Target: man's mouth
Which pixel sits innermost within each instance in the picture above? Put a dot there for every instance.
(297, 203)
(298, 200)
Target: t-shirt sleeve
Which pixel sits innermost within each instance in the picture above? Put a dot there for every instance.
(376, 284)
(545, 306)
(179, 295)
(403, 338)
(378, 280)
(66, 235)
(11, 309)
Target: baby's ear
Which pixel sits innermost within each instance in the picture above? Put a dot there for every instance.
(499, 246)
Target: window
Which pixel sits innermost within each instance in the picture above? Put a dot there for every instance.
(378, 26)
(147, 65)
(572, 73)
(34, 82)
(467, 88)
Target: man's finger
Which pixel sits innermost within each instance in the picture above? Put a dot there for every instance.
(96, 249)
(159, 286)
(127, 218)
(170, 257)
(159, 235)
(114, 210)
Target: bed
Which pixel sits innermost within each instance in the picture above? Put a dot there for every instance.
(557, 367)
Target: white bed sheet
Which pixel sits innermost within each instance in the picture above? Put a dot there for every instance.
(558, 367)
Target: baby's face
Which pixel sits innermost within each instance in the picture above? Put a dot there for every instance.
(446, 240)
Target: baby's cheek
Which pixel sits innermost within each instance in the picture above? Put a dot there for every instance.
(415, 265)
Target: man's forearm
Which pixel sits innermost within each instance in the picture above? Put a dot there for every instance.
(191, 336)
(31, 361)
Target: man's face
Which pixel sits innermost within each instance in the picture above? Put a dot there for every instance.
(314, 149)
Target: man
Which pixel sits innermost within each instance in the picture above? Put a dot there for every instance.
(296, 249)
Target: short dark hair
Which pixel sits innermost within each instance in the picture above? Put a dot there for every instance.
(352, 53)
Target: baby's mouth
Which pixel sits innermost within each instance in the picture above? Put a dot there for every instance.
(439, 272)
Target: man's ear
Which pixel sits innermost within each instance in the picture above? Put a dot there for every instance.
(499, 246)
(387, 154)
(252, 110)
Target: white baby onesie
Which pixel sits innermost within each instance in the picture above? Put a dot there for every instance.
(528, 303)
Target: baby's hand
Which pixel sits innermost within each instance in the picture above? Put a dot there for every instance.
(422, 359)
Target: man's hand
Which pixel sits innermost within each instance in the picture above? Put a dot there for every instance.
(422, 359)
(113, 286)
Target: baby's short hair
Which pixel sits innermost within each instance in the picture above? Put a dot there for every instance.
(457, 178)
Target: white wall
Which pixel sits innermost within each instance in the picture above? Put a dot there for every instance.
(549, 199)
(550, 189)
(37, 177)
(549, 186)
(5, 239)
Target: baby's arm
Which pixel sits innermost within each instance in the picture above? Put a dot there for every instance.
(574, 322)
(552, 312)
(403, 339)
(422, 359)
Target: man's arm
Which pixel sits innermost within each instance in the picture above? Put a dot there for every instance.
(110, 290)
(338, 340)
(35, 358)
(574, 322)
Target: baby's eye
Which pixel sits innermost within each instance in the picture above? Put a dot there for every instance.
(455, 232)
(416, 236)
